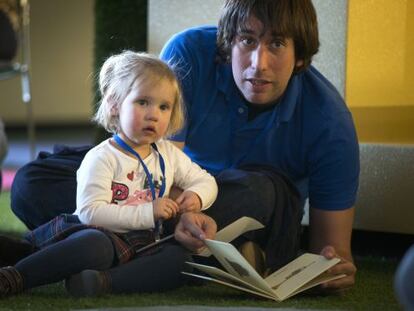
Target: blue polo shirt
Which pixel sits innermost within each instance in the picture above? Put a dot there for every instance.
(309, 134)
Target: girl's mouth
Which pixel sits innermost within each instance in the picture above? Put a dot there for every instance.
(149, 130)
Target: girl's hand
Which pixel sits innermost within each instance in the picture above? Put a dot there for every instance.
(189, 201)
(164, 208)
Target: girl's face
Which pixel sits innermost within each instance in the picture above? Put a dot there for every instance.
(145, 113)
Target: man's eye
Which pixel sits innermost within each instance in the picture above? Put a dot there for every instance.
(278, 44)
(247, 41)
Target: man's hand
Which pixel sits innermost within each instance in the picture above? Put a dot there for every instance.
(189, 201)
(164, 208)
(343, 267)
(330, 235)
(193, 229)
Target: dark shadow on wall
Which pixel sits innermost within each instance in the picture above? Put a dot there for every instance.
(119, 25)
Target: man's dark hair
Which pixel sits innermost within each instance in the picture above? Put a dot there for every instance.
(295, 19)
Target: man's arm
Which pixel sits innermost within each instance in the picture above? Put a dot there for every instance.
(193, 228)
(330, 235)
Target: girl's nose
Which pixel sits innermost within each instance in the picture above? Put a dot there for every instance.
(152, 113)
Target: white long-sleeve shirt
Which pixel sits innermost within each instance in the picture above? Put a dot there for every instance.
(111, 189)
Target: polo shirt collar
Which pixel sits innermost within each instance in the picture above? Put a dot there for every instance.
(225, 82)
(290, 98)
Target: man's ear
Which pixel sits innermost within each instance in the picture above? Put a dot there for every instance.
(298, 66)
(299, 63)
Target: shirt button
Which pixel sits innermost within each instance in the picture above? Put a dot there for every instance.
(240, 110)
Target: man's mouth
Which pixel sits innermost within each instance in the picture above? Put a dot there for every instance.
(257, 82)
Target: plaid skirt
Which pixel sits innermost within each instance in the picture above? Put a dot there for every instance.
(62, 226)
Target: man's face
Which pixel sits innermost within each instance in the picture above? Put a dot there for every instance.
(262, 62)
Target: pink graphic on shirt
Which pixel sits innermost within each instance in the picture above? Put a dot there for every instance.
(140, 196)
(119, 192)
(130, 176)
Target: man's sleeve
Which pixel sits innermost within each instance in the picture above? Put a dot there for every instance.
(178, 54)
(334, 168)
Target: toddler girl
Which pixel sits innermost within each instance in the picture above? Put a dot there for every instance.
(122, 192)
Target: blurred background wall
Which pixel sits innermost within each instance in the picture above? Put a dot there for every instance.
(380, 69)
(62, 58)
(366, 50)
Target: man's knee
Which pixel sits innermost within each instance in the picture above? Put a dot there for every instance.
(38, 195)
(23, 203)
(243, 193)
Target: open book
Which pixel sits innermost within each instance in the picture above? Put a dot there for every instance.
(301, 274)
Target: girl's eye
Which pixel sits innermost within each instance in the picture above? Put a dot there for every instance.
(142, 102)
(165, 107)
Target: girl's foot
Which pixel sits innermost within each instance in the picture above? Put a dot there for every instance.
(11, 282)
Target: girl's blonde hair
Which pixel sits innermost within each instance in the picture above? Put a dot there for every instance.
(116, 78)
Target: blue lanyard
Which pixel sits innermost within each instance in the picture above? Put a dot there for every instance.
(126, 147)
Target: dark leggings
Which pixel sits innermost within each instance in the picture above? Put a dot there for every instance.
(86, 249)
(92, 249)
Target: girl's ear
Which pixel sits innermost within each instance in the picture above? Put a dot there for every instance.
(114, 110)
(113, 105)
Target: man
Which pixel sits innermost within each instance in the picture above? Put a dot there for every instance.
(253, 98)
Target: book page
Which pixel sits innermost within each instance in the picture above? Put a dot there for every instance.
(225, 277)
(234, 230)
(231, 285)
(295, 276)
(324, 277)
(235, 264)
(302, 273)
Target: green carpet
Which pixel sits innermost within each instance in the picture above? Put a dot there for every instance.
(373, 289)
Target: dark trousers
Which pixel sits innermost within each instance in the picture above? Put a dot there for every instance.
(268, 196)
(46, 188)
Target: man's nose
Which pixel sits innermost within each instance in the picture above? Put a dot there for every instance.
(260, 58)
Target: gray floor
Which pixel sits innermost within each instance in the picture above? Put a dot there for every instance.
(19, 152)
